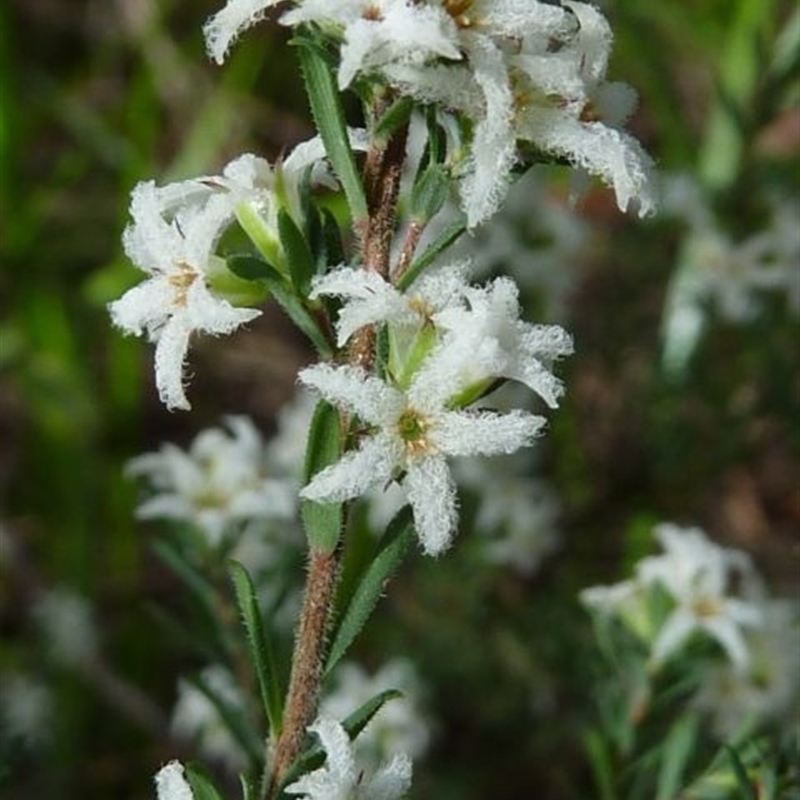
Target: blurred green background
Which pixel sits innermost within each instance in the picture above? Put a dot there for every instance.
(99, 94)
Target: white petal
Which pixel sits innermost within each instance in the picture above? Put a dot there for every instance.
(173, 344)
(224, 27)
(432, 495)
(171, 783)
(676, 630)
(485, 433)
(392, 781)
(356, 472)
(337, 747)
(352, 388)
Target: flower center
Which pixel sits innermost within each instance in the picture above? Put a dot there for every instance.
(457, 10)
(182, 281)
(705, 606)
(413, 427)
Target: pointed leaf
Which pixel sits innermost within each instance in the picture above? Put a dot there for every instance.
(399, 535)
(260, 646)
(677, 751)
(392, 119)
(251, 268)
(202, 787)
(743, 782)
(443, 241)
(298, 253)
(429, 192)
(329, 117)
(322, 521)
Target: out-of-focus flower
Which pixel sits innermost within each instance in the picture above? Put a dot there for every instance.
(171, 783)
(712, 589)
(516, 514)
(65, 620)
(342, 779)
(26, 709)
(399, 727)
(223, 479)
(196, 718)
(768, 691)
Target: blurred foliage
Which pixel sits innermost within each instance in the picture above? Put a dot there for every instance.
(97, 95)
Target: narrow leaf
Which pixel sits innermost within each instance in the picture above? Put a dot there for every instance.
(202, 787)
(328, 113)
(398, 538)
(429, 192)
(676, 754)
(261, 650)
(298, 253)
(444, 240)
(743, 782)
(392, 119)
(299, 314)
(322, 521)
(251, 268)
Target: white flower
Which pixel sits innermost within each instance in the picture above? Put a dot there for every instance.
(698, 575)
(341, 779)
(172, 238)
(380, 32)
(196, 718)
(223, 479)
(575, 127)
(399, 727)
(414, 432)
(769, 690)
(372, 299)
(171, 783)
(488, 339)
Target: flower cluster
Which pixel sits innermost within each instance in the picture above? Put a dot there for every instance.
(506, 72)
(449, 343)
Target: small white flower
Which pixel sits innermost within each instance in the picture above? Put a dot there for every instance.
(414, 433)
(341, 779)
(27, 709)
(489, 340)
(698, 574)
(371, 299)
(173, 241)
(171, 783)
(399, 727)
(223, 479)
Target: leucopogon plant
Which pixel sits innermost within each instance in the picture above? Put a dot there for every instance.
(410, 350)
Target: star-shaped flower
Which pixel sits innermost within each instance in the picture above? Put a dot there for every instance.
(173, 240)
(414, 433)
(341, 779)
(171, 783)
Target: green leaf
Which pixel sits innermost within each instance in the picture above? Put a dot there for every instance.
(251, 268)
(323, 521)
(295, 309)
(743, 782)
(442, 242)
(392, 119)
(202, 787)
(328, 113)
(298, 253)
(260, 646)
(676, 754)
(601, 762)
(332, 237)
(398, 537)
(429, 192)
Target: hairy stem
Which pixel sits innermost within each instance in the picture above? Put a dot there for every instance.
(307, 663)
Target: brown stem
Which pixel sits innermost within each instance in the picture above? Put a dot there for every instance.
(382, 174)
(307, 663)
(415, 230)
